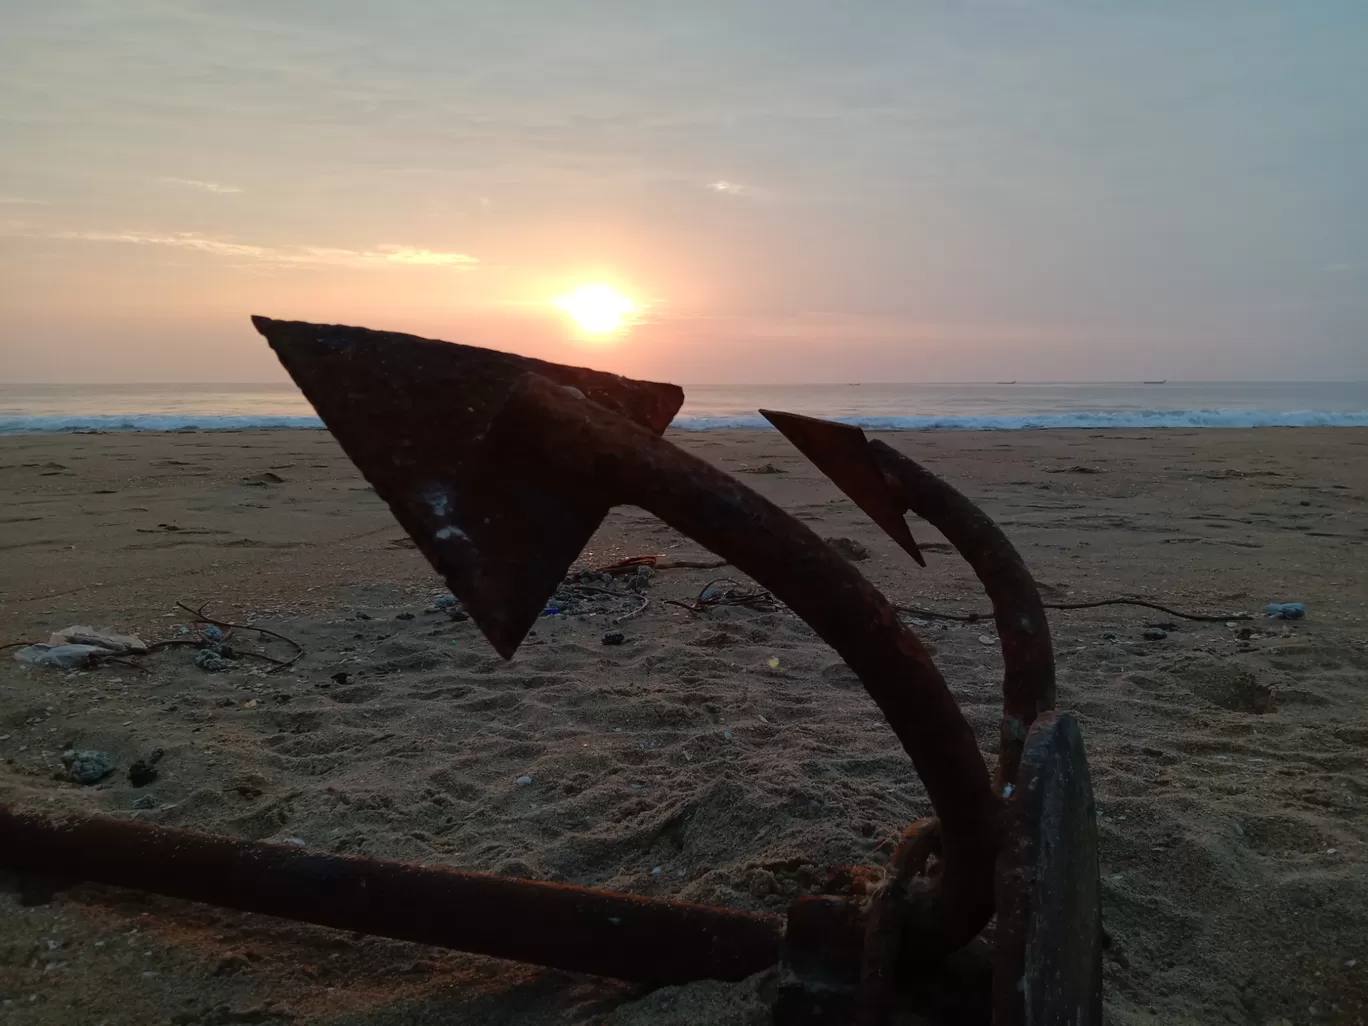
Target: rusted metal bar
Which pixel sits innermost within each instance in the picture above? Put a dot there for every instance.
(583, 452)
(573, 928)
(1028, 683)
(885, 484)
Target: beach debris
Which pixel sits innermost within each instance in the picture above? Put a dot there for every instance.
(340, 677)
(1109, 635)
(1155, 634)
(119, 644)
(1077, 468)
(523, 781)
(144, 801)
(1285, 610)
(614, 638)
(850, 548)
(212, 662)
(211, 633)
(630, 564)
(641, 579)
(144, 771)
(403, 616)
(64, 657)
(717, 593)
(264, 478)
(444, 603)
(986, 639)
(87, 767)
(933, 614)
(208, 623)
(763, 468)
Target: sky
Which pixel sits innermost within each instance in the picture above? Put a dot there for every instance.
(795, 191)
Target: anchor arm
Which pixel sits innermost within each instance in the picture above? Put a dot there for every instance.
(594, 455)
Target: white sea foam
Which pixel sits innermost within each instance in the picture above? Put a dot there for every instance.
(1115, 420)
(1128, 419)
(148, 422)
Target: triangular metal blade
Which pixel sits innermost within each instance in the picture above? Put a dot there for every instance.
(841, 452)
(413, 415)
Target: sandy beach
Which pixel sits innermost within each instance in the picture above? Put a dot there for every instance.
(726, 758)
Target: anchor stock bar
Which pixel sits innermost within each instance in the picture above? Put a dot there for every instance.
(579, 929)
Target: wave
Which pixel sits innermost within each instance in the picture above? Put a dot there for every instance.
(148, 422)
(1019, 422)
(1043, 421)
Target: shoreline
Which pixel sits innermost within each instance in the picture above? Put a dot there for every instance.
(870, 425)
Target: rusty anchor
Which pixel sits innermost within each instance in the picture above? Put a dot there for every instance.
(500, 468)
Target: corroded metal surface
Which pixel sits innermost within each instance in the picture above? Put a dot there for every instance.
(573, 928)
(412, 414)
(1048, 965)
(886, 484)
(841, 452)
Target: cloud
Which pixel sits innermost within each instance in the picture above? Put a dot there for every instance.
(205, 186)
(728, 188)
(286, 256)
(20, 201)
(405, 255)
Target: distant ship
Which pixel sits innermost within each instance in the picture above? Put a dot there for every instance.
(1164, 382)
(1006, 382)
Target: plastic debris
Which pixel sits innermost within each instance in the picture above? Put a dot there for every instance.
(1285, 610)
(444, 602)
(88, 767)
(210, 661)
(212, 632)
(67, 657)
(524, 781)
(116, 643)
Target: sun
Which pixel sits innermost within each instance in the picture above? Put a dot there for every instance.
(598, 309)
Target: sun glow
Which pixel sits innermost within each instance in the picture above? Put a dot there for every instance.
(598, 309)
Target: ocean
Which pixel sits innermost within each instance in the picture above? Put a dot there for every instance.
(26, 409)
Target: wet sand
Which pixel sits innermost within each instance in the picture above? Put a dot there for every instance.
(1230, 763)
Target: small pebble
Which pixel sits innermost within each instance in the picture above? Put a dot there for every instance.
(524, 781)
(984, 639)
(656, 871)
(614, 638)
(727, 734)
(1155, 634)
(251, 703)
(297, 842)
